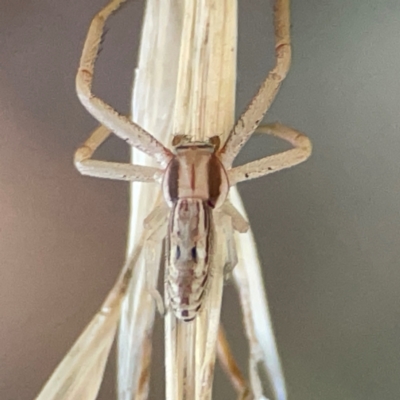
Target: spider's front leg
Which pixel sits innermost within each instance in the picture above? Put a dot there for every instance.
(263, 99)
(121, 125)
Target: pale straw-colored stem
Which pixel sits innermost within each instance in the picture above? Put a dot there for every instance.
(204, 107)
(185, 84)
(80, 373)
(152, 108)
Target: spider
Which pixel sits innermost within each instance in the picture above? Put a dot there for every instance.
(195, 176)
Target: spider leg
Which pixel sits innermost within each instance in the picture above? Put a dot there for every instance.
(121, 125)
(261, 102)
(110, 170)
(239, 223)
(156, 223)
(230, 367)
(232, 256)
(276, 162)
(230, 218)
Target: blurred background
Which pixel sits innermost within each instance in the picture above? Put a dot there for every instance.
(328, 230)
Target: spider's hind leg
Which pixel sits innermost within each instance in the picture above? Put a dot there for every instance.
(156, 224)
(230, 367)
(231, 219)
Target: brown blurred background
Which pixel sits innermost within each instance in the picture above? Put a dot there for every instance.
(328, 231)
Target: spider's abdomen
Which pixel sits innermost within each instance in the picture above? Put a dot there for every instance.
(189, 243)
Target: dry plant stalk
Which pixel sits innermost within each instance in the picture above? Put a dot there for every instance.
(204, 107)
(184, 83)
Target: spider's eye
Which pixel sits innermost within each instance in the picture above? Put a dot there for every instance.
(194, 254)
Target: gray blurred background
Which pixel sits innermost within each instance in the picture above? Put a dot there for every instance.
(328, 231)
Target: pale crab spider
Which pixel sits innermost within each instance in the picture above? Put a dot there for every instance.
(195, 176)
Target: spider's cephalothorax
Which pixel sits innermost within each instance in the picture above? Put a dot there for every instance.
(195, 183)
